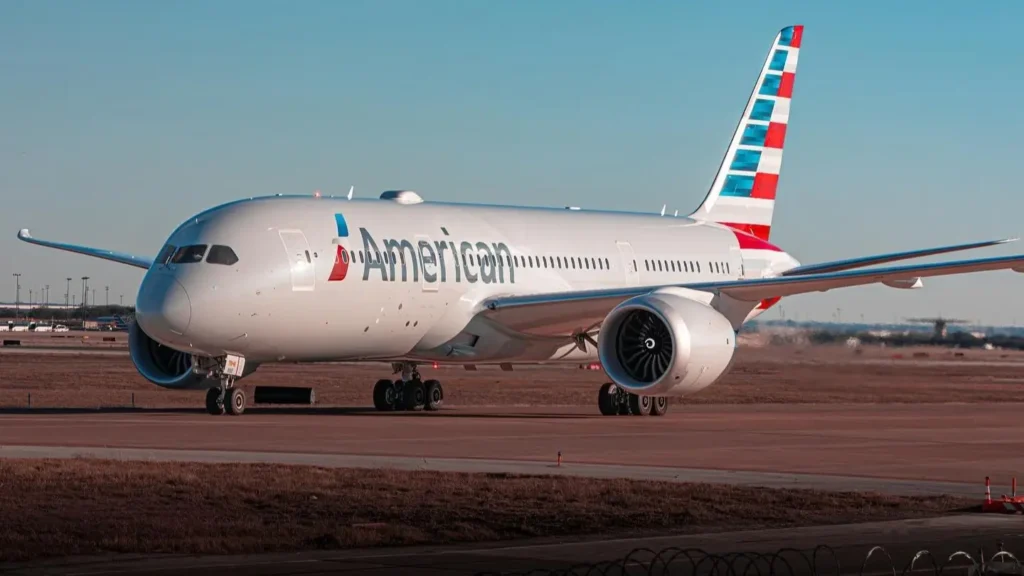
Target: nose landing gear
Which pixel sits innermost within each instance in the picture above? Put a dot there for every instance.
(407, 393)
(227, 399)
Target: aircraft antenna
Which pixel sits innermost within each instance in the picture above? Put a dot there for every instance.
(663, 206)
(350, 191)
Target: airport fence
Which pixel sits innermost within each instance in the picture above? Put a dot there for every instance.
(821, 560)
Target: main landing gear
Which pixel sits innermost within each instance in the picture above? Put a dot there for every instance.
(613, 400)
(227, 399)
(409, 392)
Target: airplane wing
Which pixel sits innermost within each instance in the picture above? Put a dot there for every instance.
(120, 257)
(838, 265)
(563, 314)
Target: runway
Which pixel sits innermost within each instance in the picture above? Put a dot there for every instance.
(905, 449)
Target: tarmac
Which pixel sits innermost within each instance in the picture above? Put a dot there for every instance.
(847, 552)
(905, 449)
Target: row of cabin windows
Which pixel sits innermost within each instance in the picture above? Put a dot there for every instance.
(556, 262)
(685, 266)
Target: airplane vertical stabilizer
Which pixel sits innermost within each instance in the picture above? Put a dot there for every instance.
(743, 193)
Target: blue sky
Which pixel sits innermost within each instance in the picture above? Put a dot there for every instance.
(121, 119)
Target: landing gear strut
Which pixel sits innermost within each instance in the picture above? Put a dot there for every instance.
(613, 400)
(226, 398)
(409, 392)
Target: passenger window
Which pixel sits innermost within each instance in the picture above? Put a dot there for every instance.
(647, 265)
(361, 261)
(189, 254)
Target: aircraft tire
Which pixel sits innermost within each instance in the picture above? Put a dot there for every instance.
(640, 405)
(606, 400)
(414, 395)
(380, 395)
(660, 406)
(236, 402)
(214, 403)
(434, 396)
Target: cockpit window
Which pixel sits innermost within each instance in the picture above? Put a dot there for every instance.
(189, 254)
(165, 254)
(221, 255)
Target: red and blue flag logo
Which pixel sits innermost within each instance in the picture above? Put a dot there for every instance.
(341, 256)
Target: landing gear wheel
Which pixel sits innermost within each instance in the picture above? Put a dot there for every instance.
(435, 395)
(236, 401)
(214, 402)
(413, 395)
(607, 401)
(660, 406)
(384, 395)
(640, 405)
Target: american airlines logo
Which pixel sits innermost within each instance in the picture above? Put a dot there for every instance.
(395, 259)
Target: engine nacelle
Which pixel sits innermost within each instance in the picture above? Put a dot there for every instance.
(665, 344)
(162, 365)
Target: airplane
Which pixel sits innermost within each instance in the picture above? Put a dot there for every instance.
(656, 300)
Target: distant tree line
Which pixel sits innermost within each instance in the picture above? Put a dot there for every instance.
(952, 340)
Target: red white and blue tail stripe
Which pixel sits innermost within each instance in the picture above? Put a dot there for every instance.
(743, 193)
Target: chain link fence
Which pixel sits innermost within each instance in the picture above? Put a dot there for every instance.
(819, 561)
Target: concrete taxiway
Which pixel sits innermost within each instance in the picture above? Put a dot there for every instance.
(848, 548)
(928, 448)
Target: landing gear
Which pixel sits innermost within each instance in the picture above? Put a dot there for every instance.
(435, 395)
(236, 402)
(407, 393)
(215, 401)
(226, 398)
(613, 400)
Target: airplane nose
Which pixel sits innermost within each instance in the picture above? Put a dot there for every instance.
(163, 306)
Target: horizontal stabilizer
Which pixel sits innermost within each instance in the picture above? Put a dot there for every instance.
(838, 265)
(119, 257)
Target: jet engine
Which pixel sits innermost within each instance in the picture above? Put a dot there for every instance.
(161, 365)
(665, 344)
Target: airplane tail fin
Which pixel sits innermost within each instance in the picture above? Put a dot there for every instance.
(743, 193)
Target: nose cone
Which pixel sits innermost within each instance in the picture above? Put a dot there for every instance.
(163, 307)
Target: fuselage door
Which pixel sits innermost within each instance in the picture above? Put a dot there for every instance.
(300, 260)
(429, 263)
(629, 263)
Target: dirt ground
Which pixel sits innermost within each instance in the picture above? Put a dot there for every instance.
(64, 507)
(821, 374)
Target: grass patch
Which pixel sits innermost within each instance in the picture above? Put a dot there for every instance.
(85, 506)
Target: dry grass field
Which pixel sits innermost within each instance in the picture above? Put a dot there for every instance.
(73, 507)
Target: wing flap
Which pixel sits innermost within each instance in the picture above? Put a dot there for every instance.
(119, 257)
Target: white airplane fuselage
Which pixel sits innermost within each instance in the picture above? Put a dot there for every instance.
(420, 299)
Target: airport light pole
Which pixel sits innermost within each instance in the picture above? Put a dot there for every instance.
(107, 289)
(67, 300)
(17, 295)
(85, 295)
(122, 300)
(47, 295)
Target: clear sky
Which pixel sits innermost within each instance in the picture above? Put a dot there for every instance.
(121, 119)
